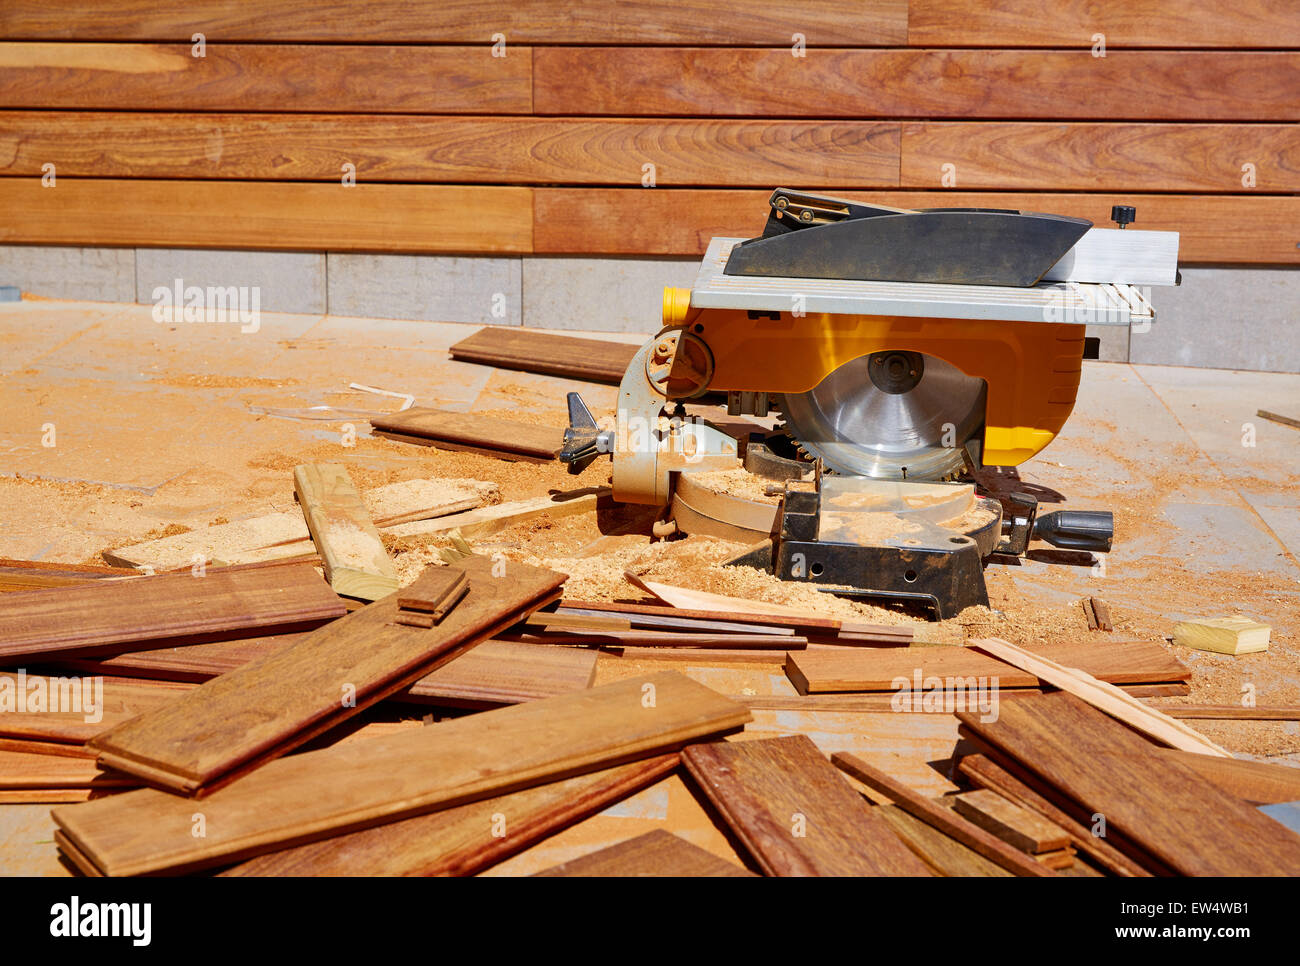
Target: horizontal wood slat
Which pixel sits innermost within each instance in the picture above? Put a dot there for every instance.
(1072, 23)
(293, 147)
(275, 215)
(238, 77)
(1048, 84)
(1227, 228)
(867, 22)
(1102, 157)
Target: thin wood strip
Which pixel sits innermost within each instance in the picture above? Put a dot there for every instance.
(936, 816)
(1104, 696)
(471, 429)
(464, 839)
(299, 799)
(1227, 712)
(242, 719)
(547, 353)
(661, 639)
(492, 519)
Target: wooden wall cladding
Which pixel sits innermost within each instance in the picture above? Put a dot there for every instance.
(262, 77)
(881, 83)
(1125, 23)
(477, 127)
(728, 22)
(296, 147)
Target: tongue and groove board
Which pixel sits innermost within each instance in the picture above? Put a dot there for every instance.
(657, 854)
(794, 813)
(1157, 809)
(242, 719)
(467, 838)
(885, 669)
(593, 360)
(482, 434)
(490, 674)
(163, 610)
(303, 798)
(120, 700)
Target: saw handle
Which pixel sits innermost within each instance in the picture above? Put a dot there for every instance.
(1091, 530)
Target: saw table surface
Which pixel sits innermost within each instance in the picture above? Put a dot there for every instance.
(1092, 303)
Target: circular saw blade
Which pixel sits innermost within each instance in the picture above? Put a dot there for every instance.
(857, 428)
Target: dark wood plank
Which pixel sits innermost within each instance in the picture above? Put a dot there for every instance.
(30, 772)
(281, 216)
(259, 77)
(299, 798)
(945, 855)
(985, 773)
(157, 611)
(16, 575)
(961, 84)
(435, 591)
(467, 838)
(793, 812)
(1072, 23)
(633, 221)
(75, 709)
(1101, 157)
(1154, 806)
(246, 717)
(547, 353)
(886, 669)
(1254, 781)
(458, 150)
(479, 432)
(656, 854)
(823, 22)
(939, 817)
(1018, 827)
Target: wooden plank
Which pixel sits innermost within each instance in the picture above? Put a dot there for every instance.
(656, 854)
(391, 504)
(1037, 156)
(257, 77)
(793, 812)
(1253, 781)
(985, 773)
(944, 854)
(491, 674)
(1019, 828)
(662, 639)
(484, 433)
(493, 519)
(246, 717)
(867, 22)
(19, 771)
(878, 701)
(467, 838)
(280, 216)
(1156, 809)
(699, 600)
(1073, 23)
(670, 620)
(469, 150)
(547, 353)
(881, 83)
(1231, 712)
(299, 798)
(75, 709)
(1226, 635)
(929, 669)
(656, 613)
(1284, 420)
(163, 610)
(433, 593)
(1104, 696)
(16, 575)
(356, 563)
(630, 221)
(939, 817)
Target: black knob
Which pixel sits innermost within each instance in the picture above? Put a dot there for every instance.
(1123, 215)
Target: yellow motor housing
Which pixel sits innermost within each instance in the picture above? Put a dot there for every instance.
(1032, 369)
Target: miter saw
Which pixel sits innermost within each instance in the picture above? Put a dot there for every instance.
(901, 350)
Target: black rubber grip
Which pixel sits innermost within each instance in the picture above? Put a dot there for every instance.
(1091, 530)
